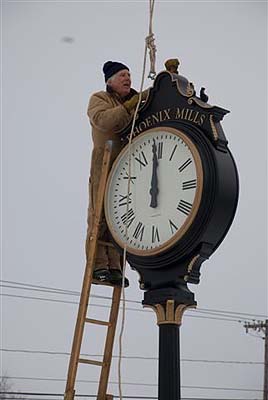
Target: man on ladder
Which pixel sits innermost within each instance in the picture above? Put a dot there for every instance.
(109, 112)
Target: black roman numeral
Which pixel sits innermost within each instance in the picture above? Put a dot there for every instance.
(160, 150)
(124, 200)
(185, 164)
(128, 217)
(173, 151)
(172, 226)
(189, 184)
(141, 160)
(155, 234)
(131, 178)
(184, 207)
(139, 230)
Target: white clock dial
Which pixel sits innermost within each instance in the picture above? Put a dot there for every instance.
(165, 187)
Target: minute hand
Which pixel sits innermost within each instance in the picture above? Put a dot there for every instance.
(154, 181)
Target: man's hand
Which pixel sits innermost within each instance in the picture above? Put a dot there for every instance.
(132, 103)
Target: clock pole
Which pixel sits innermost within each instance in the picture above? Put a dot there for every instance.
(169, 305)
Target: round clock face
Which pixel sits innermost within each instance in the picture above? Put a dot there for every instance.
(154, 191)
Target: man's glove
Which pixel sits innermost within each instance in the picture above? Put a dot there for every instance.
(132, 103)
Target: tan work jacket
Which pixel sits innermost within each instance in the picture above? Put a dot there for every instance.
(107, 117)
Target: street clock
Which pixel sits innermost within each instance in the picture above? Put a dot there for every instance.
(165, 191)
(171, 196)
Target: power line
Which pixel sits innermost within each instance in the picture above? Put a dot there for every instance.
(117, 397)
(47, 289)
(27, 286)
(64, 301)
(62, 395)
(131, 383)
(89, 395)
(107, 306)
(32, 398)
(76, 293)
(59, 291)
(132, 357)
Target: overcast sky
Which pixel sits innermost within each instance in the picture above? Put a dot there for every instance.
(52, 57)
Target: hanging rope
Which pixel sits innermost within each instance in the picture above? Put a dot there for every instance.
(149, 45)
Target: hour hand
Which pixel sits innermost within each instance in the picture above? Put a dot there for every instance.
(154, 182)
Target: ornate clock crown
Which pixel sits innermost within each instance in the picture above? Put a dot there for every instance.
(172, 65)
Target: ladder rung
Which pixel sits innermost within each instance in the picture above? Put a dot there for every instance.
(97, 322)
(93, 362)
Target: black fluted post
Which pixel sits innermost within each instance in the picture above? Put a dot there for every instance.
(169, 305)
(169, 362)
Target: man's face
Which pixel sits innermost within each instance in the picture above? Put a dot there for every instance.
(121, 82)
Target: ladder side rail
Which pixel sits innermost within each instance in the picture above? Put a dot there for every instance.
(108, 349)
(83, 304)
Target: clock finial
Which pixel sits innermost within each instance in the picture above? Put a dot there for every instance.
(172, 65)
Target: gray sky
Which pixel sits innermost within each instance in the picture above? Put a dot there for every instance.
(46, 83)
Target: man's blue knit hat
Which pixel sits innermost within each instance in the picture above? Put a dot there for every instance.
(112, 67)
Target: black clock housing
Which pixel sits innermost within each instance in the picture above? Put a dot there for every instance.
(172, 103)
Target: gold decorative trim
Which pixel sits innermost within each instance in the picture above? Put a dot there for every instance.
(181, 308)
(201, 103)
(190, 89)
(160, 312)
(168, 314)
(213, 127)
(170, 310)
(190, 266)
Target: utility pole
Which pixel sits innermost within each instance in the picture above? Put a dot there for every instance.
(262, 326)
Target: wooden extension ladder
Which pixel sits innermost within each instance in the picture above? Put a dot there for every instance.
(83, 305)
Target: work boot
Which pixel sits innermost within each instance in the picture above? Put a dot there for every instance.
(102, 275)
(116, 278)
